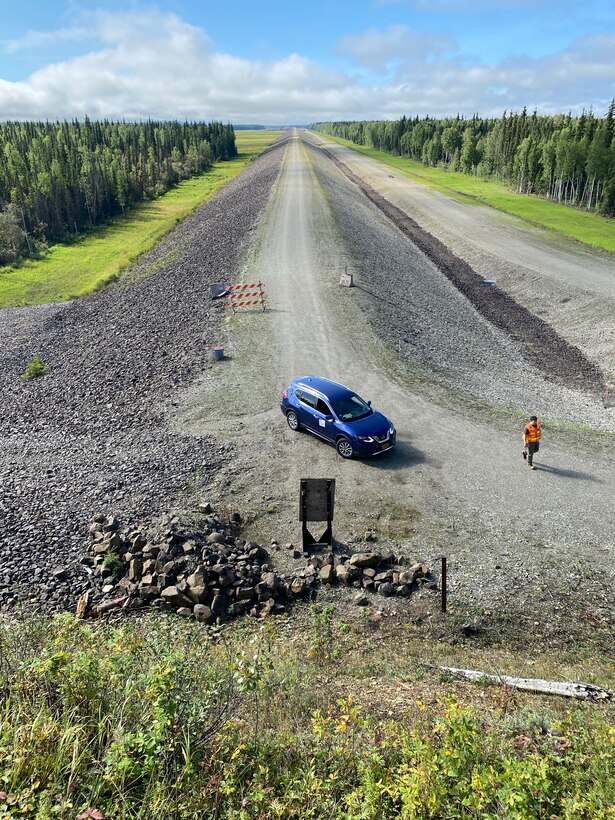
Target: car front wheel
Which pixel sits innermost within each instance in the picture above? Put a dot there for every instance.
(344, 448)
(293, 420)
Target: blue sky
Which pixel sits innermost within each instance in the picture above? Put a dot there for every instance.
(291, 62)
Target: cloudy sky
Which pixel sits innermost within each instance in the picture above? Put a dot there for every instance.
(295, 62)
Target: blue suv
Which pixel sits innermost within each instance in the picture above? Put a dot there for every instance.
(336, 414)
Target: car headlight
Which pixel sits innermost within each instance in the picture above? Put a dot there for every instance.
(391, 430)
(365, 438)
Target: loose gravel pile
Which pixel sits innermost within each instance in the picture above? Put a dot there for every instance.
(91, 435)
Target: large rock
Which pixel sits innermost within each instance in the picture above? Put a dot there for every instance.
(173, 596)
(365, 559)
(219, 604)
(149, 592)
(138, 541)
(327, 574)
(135, 569)
(347, 574)
(409, 575)
(198, 593)
(244, 593)
(114, 539)
(227, 578)
(272, 580)
(197, 579)
(110, 524)
(298, 586)
(203, 613)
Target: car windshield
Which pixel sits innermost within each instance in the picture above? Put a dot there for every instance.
(351, 408)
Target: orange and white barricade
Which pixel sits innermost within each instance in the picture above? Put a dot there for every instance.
(249, 295)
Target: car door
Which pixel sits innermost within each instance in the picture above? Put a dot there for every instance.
(306, 409)
(324, 420)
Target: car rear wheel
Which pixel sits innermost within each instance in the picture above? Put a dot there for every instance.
(293, 420)
(344, 448)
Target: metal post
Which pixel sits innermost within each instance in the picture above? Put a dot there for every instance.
(328, 534)
(306, 538)
(443, 558)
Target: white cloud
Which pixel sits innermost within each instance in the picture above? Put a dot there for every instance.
(156, 65)
(377, 49)
(34, 40)
(573, 79)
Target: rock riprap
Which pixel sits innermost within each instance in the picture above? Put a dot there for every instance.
(210, 573)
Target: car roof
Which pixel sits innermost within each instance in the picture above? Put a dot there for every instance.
(327, 388)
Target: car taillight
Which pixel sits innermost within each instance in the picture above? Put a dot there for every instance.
(284, 394)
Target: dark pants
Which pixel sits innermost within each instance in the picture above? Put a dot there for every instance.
(532, 447)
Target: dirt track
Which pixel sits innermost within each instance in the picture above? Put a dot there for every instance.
(456, 482)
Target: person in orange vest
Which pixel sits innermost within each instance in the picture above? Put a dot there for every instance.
(531, 439)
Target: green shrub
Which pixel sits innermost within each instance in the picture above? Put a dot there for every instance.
(114, 562)
(36, 368)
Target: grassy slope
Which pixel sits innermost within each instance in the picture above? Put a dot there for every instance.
(159, 717)
(75, 269)
(591, 229)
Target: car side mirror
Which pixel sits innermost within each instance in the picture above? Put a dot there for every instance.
(369, 404)
(329, 419)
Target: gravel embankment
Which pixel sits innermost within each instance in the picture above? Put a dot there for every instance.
(91, 435)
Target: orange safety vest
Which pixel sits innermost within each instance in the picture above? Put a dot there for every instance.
(531, 433)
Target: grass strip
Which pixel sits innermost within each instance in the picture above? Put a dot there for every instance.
(74, 269)
(588, 228)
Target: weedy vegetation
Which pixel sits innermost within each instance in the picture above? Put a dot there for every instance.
(36, 368)
(162, 718)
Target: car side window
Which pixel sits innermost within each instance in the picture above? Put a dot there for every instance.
(306, 398)
(323, 408)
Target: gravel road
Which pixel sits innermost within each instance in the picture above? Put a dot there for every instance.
(456, 482)
(569, 285)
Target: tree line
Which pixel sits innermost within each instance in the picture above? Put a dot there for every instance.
(58, 178)
(567, 159)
